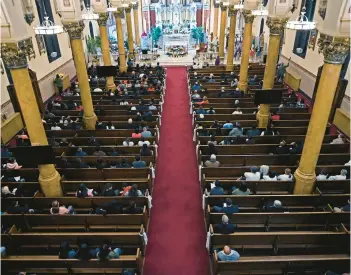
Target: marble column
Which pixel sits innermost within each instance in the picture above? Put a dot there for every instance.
(121, 50)
(222, 30)
(231, 43)
(129, 31)
(136, 23)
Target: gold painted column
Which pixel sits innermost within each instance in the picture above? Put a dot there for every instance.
(16, 60)
(136, 23)
(245, 57)
(215, 20)
(129, 31)
(335, 50)
(121, 50)
(75, 29)
(231, 43)
(276, 26)
(222, 30)
(105, 48)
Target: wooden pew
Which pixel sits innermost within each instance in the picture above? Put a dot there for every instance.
(251, 116)
(231, 109)
(93, 133)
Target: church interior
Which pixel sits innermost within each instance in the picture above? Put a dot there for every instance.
(175, 137)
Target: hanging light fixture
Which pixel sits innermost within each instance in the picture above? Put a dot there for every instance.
(47, 27)
(110, 8)
(302, 22)
(261, 11)
(239, 6)
(90, 15)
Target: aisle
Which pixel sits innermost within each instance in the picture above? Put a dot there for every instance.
(176, 233)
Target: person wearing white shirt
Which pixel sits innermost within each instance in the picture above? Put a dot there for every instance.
(253, 175)
(339, 140)
(128, 143)
(270, 177)
(348, 163)
(237, 112)
(55, 127)
(143, 141)
(96, 90)
(322, 176)
(342, 175)
(124, 102)
(287, 176)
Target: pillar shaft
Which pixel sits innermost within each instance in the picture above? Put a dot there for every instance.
(130, 31)
(105, 48)
(222, 30)
(231, 42)
(245, 57)
(49, 178)
(276, 26)
(136, 24)
(335, 51)
(74, 30)
(121, 49)
(215, 20)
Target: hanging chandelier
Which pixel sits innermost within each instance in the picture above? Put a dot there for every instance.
(90, 15)
(261, 11)
(48, 27)
(110, 8)
(302, 22)
(239, 6)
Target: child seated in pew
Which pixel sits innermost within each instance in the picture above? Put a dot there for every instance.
(56, 209)
(228, 255)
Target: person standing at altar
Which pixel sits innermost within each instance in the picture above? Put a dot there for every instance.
(218, 61)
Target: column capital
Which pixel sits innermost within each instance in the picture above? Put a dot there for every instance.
(232, 11)
(216, 5)
(135, 6)
(128, 9)
(248, 16)
(103, 16)
(334, 48)
(13, 56)
(119, 13)
(223, 7)
(74, 29)
(276, 25)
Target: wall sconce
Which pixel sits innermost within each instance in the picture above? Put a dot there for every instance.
(27, 6)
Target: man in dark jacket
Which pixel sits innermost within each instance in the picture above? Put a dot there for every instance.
(227, 208)
(225, 227)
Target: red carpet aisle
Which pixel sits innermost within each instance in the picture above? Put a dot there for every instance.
(177, 233)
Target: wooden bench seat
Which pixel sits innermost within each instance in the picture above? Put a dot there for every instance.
(250, 110)
(94, 133)
(250, 123)
(251, 116)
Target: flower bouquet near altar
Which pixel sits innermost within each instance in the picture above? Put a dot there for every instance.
(176, 51)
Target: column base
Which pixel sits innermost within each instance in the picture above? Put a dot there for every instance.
(222, 59)
(230, 67)
(262, 119)
(122, 69)
(243, 86)
(89, 122)
(110, 84)
(50, 181)
(304, 183)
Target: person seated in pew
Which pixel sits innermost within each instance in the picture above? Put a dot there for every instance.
(5, 153)
(203, 102)
(228, 125)
(108, 191)
(106, 253)
(234, 83)
(145, 151)
(52, 142)
(12, 164)
(123, 102)
(133, 192)
(136, 133)
(242, 190)
(55, 127)
(138, 163)
(264, 170)
(196, 86)
(342, 176)
(345, 208)
(268, 132)
(196, 96)
(113, 164)
(227, 207)
(142, 141)
(128, 143)
(84, 192)
(296, 147)
(215, 189)
(131, 125)
(152, 106)
(109, 208)
(253, 132)
(99, 125)
(113, 153)
(124, 164)
(212, 140)
(110, 126)
(80, 152)
(85, 253)
(216, 124)
(287, 176)
(275, 116)
(275, 207)
(98, 152)
(132, 208)
(212, 162)
(64, 163)
(225, 227)
(6, 193)
(93, 141)
(201, 111)
(237, 131)
(228, 255)
(323, 175)
(254, 80)
(236, 103)
(339, 140)
(253, 175)
(66, 252)
(57, 209)
(16, 208)
(101, 164)
(237, 111)
(300, 103)
(282, 148)
(146, 133)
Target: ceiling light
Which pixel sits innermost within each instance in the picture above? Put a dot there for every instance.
(48, 27)
(301, 23)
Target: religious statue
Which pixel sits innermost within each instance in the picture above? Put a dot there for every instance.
(192, 11)
(158, 13)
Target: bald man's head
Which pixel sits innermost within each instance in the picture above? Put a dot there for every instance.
(226, 250)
